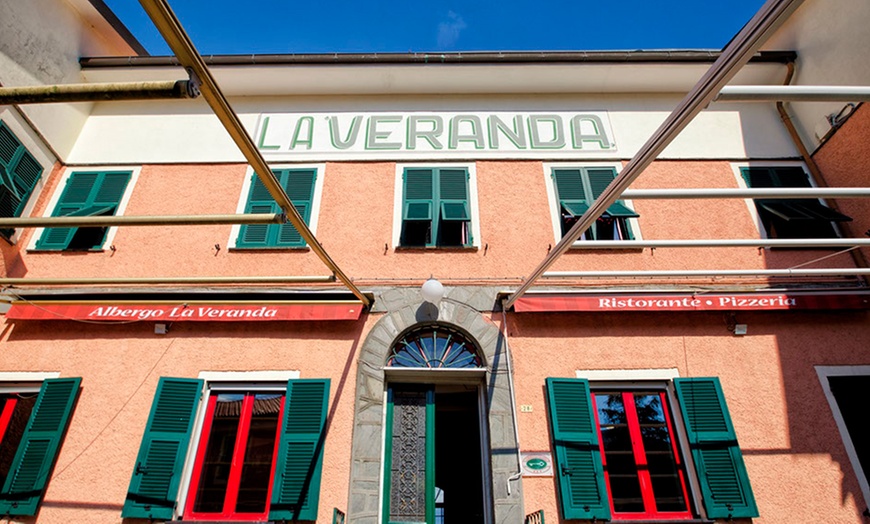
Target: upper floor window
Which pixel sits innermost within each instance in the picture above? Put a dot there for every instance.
(575, 189)
(617, 454)
(790, 218)
(436, 207)
(299, 184)
(258, 456)
(86, 193)
(19, 173)
(33, 419)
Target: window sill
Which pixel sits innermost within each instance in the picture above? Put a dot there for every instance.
(276, 249)
(577, 247)
(664, 521)
(437, 248)
(37, 251)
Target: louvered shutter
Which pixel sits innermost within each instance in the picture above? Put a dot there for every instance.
(453, 194)
(299, 185)
(419, 194)
(599, 179)
(85, 194)
(582, 491)
(570, 191)
(19, 173)
(40, 443)
(296, 488)
(157, 473)
(724, 482)
(259, 201)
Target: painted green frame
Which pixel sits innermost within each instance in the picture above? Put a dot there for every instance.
(435, 204)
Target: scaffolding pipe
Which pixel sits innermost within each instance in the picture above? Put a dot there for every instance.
(712, 273)
(735, 55)
(779, 192)
(98, 92)
(790, 93)
(156, 220)
(156, 281)
(178, 40)
(751, 242)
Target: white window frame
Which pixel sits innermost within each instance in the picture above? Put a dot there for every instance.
(24, 381)
(315, 202)
(750, 202)
(555, 215)
(122, 205)
(217, 381)
(470, 167)
(824, 372)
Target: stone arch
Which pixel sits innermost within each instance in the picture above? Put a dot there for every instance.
(407, 311)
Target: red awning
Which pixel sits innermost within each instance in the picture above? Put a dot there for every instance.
(690, 301)
(175, 312)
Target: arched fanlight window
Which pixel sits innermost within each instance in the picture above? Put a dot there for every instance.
(434, 347)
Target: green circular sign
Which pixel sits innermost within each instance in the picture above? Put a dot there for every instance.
(536, 463)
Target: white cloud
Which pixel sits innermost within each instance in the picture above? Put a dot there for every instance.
(448, 31)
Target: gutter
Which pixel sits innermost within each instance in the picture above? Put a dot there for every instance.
(464, 58)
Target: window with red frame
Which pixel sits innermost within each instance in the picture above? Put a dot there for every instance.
(235, 459)
(15, 409)
(643, 471)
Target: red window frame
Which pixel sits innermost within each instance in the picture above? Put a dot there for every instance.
(639, 453)
(6, 415)
(235, 473)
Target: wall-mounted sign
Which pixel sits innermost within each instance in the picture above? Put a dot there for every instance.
(175, 312)
(473, 134)
(691, 302)
(537, 463)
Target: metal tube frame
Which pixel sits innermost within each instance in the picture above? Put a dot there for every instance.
(178, 40)
(793, 93)
(713, 273)
(780, 192)
(156, 220)
(750, 242)
(167, 280)
(180, 89)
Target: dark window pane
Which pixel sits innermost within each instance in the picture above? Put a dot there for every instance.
(24, 403)
(850, 394)
(211, 492)
(610, 409)
(257, 469)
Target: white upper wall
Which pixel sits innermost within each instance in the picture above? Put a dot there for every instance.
(40, 44)
(831, 38)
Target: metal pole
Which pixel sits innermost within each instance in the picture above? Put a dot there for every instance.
(752, 242)
(156, 281)
(97, 92)
(169, 220)
(789, 93)
(783, 192)
(169, 26)
(712, 273)
(733, 57)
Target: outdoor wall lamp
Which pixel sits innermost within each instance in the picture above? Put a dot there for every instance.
(432, 291)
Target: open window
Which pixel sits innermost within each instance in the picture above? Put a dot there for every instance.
(19, 173)
(791, 218)
(33, 421)
(258, 455)
(575, 190)
(618, 456)
(86, 193)
(436, 208)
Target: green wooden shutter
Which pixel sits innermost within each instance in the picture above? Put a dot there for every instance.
(418, 205)
(40, 443)
(570, 191)
(296, 488)
(85, 194)
(724, 482)
(453, 194)
(599, 179)
(299, 186)
(578, 457)
(156, 476)
(19, 173)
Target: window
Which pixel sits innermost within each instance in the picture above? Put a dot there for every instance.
(86, 193)
(617, 454)
(846, 388)
(436, 209)
(258, 455)
(19, 173)
(299, 185)
(33, 420)
(576, 188)
(790, 218)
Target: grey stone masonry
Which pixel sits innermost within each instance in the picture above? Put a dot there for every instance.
(404, 309)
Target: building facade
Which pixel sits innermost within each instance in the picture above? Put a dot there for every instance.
(219, 372)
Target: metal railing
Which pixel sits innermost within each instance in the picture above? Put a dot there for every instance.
(535, 518)
(338, 516)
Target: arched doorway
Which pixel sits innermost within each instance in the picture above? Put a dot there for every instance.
(407, 314)
(436, 447)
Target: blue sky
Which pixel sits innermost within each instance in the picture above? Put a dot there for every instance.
(342, 26)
